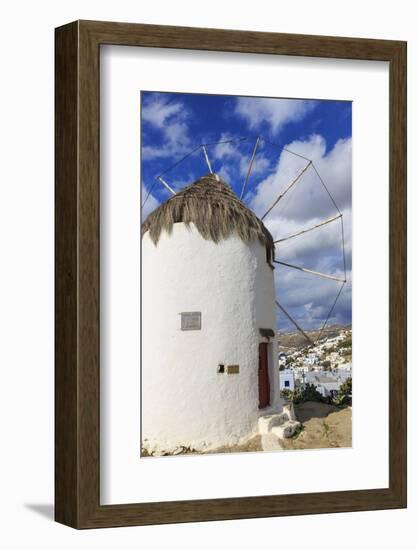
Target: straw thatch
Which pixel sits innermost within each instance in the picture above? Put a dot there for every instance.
(214, 209)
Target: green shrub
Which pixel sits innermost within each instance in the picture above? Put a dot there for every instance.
(300, 396)
(346, 387)
(344, 395)
(341, 399)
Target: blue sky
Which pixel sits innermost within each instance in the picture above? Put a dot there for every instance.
(172, 125)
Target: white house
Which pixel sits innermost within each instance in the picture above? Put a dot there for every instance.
(282, 359)
(347, 367)
(311, 360)
(208, 320)
(342, 374)
(287, 379)
(334, 358)
(328, 389)
(327, 384)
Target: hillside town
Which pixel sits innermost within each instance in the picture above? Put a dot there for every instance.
(326, 366)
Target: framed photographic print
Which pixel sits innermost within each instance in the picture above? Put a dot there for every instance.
(230, 274)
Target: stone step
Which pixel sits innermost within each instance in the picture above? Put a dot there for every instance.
(268, 421)
(287, 429)
(282, 424)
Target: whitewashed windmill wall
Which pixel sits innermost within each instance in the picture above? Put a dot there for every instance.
(186, 401)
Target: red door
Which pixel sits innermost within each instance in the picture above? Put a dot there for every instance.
(263, 378)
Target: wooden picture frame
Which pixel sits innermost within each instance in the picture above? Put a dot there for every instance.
(77, 382)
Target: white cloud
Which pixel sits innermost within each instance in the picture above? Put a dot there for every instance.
(158, 110)
(259, 166)
(275, 112)
(150, 152)
(307, 200)
(224, 150)
(170, 118)
(305, 205)
(309, 299)
(225, 174)
(232, 158)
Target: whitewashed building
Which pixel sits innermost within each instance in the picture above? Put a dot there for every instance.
(335, 358)
(282, 359)
(311, 360)
(209, 350)
(287, 379)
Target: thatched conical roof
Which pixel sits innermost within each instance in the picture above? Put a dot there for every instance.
(214, 209)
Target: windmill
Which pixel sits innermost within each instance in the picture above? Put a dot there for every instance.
(209, 307)
(308, 166)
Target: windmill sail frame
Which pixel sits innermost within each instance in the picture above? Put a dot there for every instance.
(258, 140)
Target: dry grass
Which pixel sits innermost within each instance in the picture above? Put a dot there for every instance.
(214, 209)
(324, 426)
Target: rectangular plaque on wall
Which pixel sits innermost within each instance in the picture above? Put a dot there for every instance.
(191, 320)
(232, 369)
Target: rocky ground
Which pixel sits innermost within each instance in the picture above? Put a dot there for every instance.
(254, 444)
(294, 339)
(324, 426)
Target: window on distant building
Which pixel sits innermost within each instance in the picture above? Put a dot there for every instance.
(287, 383)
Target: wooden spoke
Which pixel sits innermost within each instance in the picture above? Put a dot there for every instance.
(309, 229)
(286, 190)
(164, 183)
(250, 167)
(294, 322)
(207, 159)
(311, 271)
